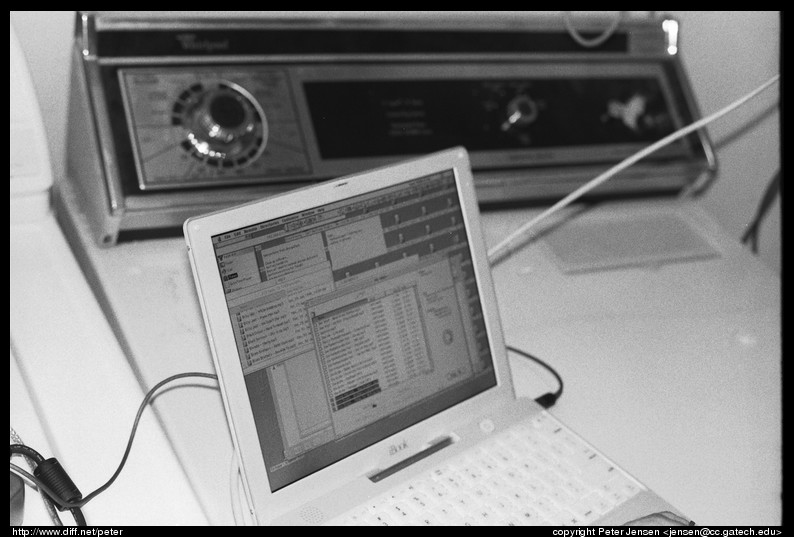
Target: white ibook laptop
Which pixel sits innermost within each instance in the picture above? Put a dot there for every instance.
(357, 341)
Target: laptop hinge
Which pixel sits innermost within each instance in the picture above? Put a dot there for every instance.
(435, 446)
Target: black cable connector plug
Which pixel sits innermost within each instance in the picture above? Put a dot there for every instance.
(53, 475)
(546, 400)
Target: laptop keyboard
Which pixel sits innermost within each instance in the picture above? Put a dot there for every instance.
(535, 473)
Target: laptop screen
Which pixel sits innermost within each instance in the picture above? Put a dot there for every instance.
(354, 320)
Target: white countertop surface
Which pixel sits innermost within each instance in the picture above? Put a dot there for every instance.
(671, 369)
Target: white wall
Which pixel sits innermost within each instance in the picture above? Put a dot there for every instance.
(45, 38)
(726, 53)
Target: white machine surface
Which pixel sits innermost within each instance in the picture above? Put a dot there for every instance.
(671, 368)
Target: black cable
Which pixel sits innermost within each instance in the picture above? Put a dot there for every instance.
(751, 234)
(38, 459)
(79, 518)
(22, 449)
(546, 400)
(141, 408)
(75, 506)
(32, 464)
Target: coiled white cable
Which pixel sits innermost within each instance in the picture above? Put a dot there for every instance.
(596, 41)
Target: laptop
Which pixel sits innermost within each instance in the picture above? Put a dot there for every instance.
(356, 337)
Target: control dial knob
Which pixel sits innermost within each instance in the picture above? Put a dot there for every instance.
(521, 110)
(224, 125)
